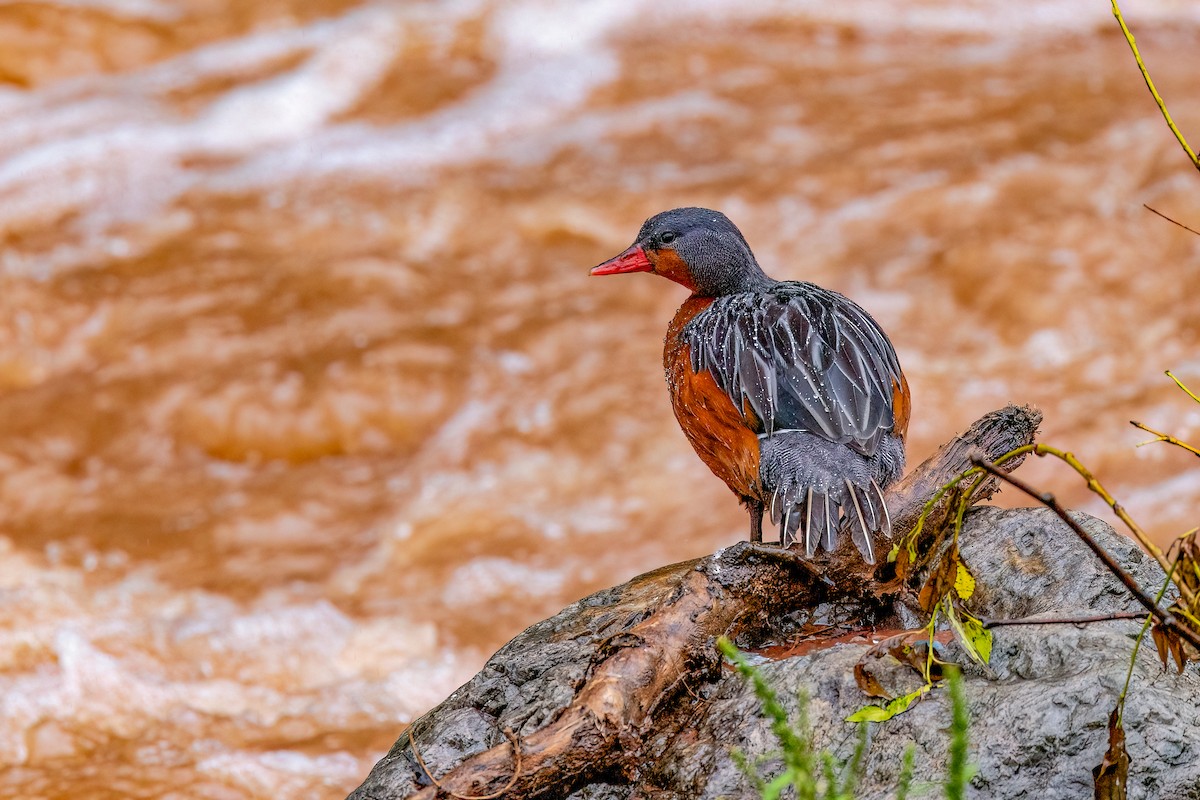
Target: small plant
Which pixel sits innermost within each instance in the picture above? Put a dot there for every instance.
(959, 771)
(821, 775)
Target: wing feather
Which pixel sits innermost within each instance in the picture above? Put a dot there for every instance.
(800, 358)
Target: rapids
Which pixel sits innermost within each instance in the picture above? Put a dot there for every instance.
(307, 403)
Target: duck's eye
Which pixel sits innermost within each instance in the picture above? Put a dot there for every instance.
(668, 237)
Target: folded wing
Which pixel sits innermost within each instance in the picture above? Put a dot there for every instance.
(800, 358)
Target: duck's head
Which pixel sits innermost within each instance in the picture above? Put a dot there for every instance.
(697, 248)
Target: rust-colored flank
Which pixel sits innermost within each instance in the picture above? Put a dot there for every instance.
(713, 424)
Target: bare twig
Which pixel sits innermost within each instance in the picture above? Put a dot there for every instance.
(516, 769)
(1137, 643)
(1162, 106)
(1005, 436)
(683, 681)
(1046, 498)
(996, 623)
(1098, 488)
(1093, 485)
(1164, 437)
(1180, 384)
(1168, 219)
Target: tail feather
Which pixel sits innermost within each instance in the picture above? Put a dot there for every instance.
(810, 542)
(857, 522)
(786, 528)
(829, 540)
(775, 508)
(814, 518)
(886, 527)
(816, 489)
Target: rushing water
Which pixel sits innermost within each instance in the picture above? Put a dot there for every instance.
(307, 403)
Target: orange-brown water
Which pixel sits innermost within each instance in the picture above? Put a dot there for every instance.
(307, 403)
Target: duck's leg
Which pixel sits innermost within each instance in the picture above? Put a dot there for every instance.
(756, 518)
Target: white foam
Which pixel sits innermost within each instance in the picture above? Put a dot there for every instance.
(114, 150)
(294, 105)
(157, 10)
(136, 659)
(483, 579)
(281, 772)
(550, 60)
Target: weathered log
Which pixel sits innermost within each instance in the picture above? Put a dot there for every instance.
(586, 689)
(638, 668)
(993, 435)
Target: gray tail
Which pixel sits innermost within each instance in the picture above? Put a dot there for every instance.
(817, 517)
(865, 513)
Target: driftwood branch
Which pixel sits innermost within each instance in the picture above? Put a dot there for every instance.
(516, 745)
(657, 640)
(638, 669)
(991, 436)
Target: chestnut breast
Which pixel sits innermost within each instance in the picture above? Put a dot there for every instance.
(715, 427)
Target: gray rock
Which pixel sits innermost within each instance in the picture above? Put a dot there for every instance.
(1038, 711)
(526, 683)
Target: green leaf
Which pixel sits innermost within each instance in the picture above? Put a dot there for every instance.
(776, 787)
(975, 639)
(870, 714)
(981, 637)
(884, 713)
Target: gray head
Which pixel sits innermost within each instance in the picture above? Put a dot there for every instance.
(695, 247)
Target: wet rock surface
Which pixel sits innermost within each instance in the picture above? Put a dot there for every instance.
(1038, 711)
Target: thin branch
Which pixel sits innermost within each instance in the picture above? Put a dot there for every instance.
(1165, 617)
(1162, 106)
(1098, 488)
(910, 539)
(996, 623)
(1185, 389)
(511, 781)
(1168, 219)
(1137, 643)
(1163, 437)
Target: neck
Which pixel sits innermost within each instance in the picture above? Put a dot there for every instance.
(754, 280)
(750, 278)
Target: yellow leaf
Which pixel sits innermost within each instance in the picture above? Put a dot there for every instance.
(964, 582)
(975, 639)
(981, 637)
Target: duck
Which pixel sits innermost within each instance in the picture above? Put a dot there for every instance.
(792, 394)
